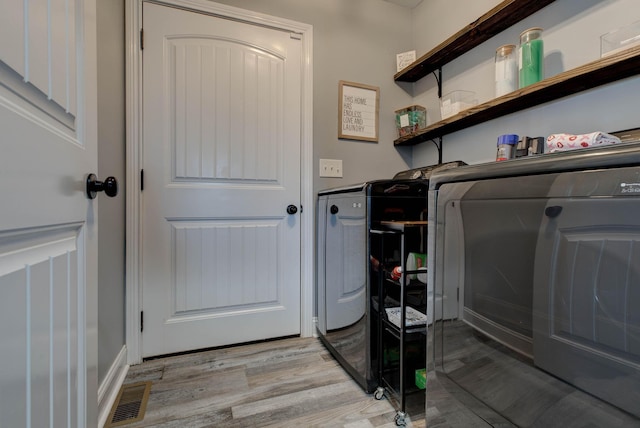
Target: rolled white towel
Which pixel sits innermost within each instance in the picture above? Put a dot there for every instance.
(563, 142)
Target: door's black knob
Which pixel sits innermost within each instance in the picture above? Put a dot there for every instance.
(553, 211)
(292, 209)
(334, 209)
(109, 186)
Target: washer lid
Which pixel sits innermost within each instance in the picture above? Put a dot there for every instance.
(423, 173)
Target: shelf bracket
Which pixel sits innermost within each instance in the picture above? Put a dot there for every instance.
(439, 147)
(439, 143)
(439, 80)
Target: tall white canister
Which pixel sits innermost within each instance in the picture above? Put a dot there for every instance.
(506, 70)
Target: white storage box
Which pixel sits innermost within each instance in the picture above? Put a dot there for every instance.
(456, 101)
(620, 39)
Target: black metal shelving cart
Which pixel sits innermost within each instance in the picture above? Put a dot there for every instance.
(401, 311)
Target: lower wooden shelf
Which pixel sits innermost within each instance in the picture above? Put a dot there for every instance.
(600, 72)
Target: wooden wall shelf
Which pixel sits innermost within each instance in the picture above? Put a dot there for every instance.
(600, 72)
(488, 25)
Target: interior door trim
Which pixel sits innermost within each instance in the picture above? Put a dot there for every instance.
(133, 26)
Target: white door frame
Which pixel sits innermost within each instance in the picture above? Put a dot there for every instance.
(133, 22)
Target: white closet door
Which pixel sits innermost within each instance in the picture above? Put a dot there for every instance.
(222, 134)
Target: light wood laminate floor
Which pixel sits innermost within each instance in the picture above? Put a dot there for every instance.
(285, 383)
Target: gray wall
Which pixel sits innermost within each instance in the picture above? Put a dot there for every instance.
(357, 40)
(111, 161)
(353, 40)
(572, 30)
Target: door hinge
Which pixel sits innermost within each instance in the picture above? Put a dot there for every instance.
(141, 39)
(141, 180)
(301, 208)
(141, 321)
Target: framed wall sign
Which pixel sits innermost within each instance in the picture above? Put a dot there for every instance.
(358, 108)
(404, 59)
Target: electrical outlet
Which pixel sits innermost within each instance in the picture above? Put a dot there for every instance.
(330, 168)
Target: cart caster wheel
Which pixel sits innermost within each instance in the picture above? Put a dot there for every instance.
(379, 394)
(400, 419)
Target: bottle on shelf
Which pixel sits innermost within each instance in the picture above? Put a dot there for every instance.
(506, 147)
(531, 57)
(506, 66)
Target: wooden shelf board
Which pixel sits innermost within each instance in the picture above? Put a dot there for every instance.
(600, 72)
(488, 25)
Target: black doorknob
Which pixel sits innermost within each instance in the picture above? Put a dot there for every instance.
(553, 211)
(292, 209)
(109, 186)
(334, 209)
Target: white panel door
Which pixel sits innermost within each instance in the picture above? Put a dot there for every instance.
(48, 242)
(221, 160)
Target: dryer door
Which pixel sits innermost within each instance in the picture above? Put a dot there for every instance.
(346, 268)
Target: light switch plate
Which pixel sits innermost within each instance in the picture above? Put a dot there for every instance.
(330, 168)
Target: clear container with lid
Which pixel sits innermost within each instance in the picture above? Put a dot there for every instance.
(531, 57)
(506, 70)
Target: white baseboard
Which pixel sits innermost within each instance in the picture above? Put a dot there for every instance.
(314, 332)
(110, 386)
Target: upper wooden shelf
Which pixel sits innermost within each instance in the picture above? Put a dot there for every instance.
(600, 72)
(488, 25)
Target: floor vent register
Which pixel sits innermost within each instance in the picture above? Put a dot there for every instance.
(130, 405)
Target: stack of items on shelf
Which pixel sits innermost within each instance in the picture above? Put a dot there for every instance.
(510, 146)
